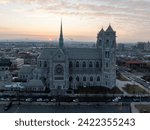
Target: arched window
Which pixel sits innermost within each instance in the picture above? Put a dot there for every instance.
(77, 78)
(90, 64)
(98, 78)
(107, 55)
(70, 64)
(100, 41)
(70, 78)
(45, 64)
(84, 64)
(84, 78)
(91, 78)
(106, 65)
(113, 45)
(77, 64)
(97, 64)
(106, 83)
(107, 43)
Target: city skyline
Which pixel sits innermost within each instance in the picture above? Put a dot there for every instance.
(35, 19)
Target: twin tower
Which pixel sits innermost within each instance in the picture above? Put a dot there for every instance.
(106, 42)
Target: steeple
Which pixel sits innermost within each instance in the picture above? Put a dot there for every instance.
(109, 29)
(61, 39)
(101, 32)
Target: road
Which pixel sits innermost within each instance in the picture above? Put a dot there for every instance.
(22, 104)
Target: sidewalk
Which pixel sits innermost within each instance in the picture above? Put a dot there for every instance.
(133, 108)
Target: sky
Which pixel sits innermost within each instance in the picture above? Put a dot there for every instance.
(82, 19)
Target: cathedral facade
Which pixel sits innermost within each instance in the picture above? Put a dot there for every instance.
(63, 68)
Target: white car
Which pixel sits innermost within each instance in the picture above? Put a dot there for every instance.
(53, 100)
(29, 100)
(116, 99)
(5, 99)
(39, 100)
(75, 100)
(46, 100)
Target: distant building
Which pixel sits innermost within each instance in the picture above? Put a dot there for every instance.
(28, 57)
(120, 47)
(17, 63)
(5, 64)
(136, 65)
(5, 75)
(25, 73)
(63, 68)
(143, 46)
(140, 46)
(147, 46)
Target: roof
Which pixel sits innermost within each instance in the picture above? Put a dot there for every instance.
(26, 69)
(47, 53)
(83, 53)
(135, 62)
(35, 83)
(14, 85)
(72, 53)
(37, 70)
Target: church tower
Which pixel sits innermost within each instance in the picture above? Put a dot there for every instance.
(61, 39)
(106, 43)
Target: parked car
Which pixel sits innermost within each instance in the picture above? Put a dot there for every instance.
(5, 99)
(53, 100)
(39, 100)
(116, 99)
(46, 100)
(29, 100)
(76, 100)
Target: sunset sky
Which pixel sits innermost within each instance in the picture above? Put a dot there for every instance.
(82, 19)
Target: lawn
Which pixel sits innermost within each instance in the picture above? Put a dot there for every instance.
(98, 90)
(134, 89)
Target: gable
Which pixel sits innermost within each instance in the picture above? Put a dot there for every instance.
(59, 55)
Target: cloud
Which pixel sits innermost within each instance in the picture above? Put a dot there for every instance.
(132, 8)
(4, 1)
(120, 9)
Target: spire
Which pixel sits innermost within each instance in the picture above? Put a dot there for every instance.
(109, 29)
(61, 39)
(101, 31)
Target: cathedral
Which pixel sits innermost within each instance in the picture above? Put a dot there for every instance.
(64, 68)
